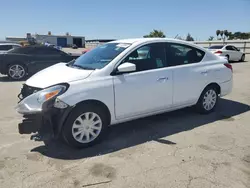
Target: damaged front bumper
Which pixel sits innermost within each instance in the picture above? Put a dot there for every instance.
(43, 118)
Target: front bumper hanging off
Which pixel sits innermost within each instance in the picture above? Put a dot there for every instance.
(46, 123)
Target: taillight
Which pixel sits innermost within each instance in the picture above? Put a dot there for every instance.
(229, 66)
(218, 52)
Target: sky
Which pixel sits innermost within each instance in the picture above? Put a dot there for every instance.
(116, 19)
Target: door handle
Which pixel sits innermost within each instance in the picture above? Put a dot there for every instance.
(162, 78)
(204, 72)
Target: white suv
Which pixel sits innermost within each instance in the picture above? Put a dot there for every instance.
(121, 81)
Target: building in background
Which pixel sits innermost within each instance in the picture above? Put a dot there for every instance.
(59, 40)
(15, 39)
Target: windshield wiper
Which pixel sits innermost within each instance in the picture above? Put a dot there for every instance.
(81, 67)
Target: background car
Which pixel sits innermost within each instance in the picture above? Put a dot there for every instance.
(20, 62)
(230, 52)
(74, 46)
(4, 47)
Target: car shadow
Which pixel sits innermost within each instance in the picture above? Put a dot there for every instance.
(153, 128)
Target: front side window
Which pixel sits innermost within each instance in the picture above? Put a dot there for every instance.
(180, 54)
(100, 56)
(151, 56)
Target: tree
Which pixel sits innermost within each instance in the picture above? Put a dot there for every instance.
(221, 33)
(217, 33)
(210, 38)
(155, 34)
(189, 37)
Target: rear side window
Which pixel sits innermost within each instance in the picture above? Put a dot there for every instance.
(180, 54)
(229, 48)
(5, 47)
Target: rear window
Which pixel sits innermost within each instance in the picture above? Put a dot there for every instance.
(215, 47)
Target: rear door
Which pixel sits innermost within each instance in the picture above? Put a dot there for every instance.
(190, 75)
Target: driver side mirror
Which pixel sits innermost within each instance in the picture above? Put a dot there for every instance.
(126, 67)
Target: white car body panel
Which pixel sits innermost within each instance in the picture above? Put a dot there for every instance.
(134, 95)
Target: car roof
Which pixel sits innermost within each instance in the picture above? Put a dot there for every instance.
(142, 40)
(138, 41)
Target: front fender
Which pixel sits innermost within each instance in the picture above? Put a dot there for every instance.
(99, 89)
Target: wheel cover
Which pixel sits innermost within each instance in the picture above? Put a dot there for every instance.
(209, 99)
(87, 127)
(16, 71)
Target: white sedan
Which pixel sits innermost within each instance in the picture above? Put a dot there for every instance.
(118, 82)
(230, 52)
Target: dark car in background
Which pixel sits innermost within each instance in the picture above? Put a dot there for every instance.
(21, 62)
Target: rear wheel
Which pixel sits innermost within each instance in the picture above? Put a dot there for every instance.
(208, 100)
(17, 71)
(227, 56)
(85, 126)
(242, 58)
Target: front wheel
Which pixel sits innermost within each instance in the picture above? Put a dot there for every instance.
(208, 100)
(16, 71)
(85, 126)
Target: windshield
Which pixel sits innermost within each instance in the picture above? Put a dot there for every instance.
(100, 56)
(215, 47)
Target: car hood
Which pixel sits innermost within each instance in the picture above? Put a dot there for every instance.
(59, 73)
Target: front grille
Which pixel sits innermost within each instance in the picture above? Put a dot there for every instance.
(27, 90)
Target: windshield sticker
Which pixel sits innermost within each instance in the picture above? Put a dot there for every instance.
(122, 45)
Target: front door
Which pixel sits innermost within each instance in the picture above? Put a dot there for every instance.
(149, 88)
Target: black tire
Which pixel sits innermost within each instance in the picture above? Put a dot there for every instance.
(200, 104)
(242, 59)
(24, 74)
(76, 112)
(227, 56)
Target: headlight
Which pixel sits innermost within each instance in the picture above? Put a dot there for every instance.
(51, 92)
(34, 103)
